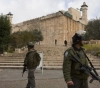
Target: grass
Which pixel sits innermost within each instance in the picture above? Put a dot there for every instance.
(92, 48)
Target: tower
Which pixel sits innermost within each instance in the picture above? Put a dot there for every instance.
(84, 9)
(10, 16)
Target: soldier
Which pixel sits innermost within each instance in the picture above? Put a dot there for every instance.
(31, 61)
(72, 75)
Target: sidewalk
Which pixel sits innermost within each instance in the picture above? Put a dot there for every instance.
(12, 78)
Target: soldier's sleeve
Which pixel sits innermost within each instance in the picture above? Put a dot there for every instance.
(67, 66)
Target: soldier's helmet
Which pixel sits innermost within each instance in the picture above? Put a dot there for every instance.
(78, 37)
(30, 44)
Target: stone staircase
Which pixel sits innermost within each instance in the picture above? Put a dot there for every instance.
(13, 61)
(96, 62)
(52, 58)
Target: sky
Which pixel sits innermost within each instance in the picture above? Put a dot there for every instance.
(23, 10)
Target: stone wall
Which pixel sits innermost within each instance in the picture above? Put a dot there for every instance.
(76, 13)
(94, 42)
(26, 25)
(53, 27)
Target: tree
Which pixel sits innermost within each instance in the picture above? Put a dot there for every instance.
(93, 30)
(37, 35)
(20, 39)
(16, 39)
(27, 37)
(5, 29)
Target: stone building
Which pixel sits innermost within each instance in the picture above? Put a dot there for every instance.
(57, 26)
(10, 16)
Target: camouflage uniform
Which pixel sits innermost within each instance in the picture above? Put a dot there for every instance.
(70, 68)
(31, 61)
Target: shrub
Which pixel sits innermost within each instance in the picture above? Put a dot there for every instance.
(11, 49)
(93, 49)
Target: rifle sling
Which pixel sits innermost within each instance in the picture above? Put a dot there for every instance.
(90, 64)
(87, 59)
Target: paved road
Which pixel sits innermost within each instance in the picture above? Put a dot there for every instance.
(11, 78)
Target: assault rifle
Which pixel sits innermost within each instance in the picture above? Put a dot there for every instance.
(24, 69)
(87, 69)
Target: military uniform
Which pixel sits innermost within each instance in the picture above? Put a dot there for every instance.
(74, 76)
(70, 68)
(31, 61)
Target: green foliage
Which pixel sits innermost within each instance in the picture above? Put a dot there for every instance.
(5, 29)
(37, 35)
(93, 30)
(10, 49)
(20, 39)
(94, 49)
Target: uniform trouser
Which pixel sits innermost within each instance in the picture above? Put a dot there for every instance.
(31, 78)
(79, 83)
